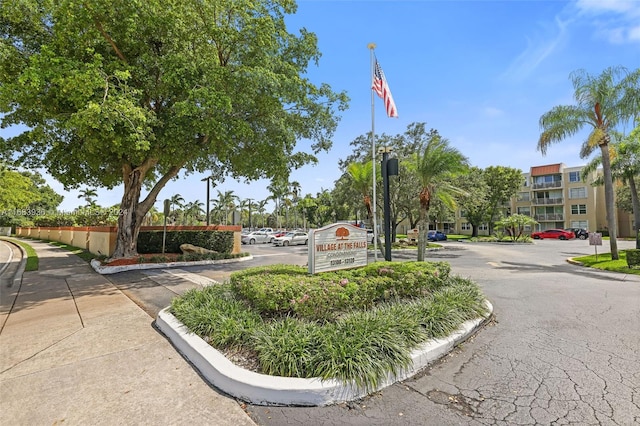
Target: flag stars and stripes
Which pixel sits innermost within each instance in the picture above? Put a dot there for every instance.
(381, 88)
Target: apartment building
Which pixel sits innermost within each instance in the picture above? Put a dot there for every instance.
(556, 196)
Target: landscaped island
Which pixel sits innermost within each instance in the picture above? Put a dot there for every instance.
(358, 326)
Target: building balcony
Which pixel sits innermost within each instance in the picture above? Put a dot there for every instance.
(547, 201)
(547, 185)
(551, 217)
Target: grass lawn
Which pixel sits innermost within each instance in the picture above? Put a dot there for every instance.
(32, 256)
(604, 262)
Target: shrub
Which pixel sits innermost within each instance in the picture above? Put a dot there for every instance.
(633, 258)
(151, 241)
(289, 290)
(53, 220)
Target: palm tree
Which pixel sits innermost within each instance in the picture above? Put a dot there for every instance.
(261, 208)
(226, 200)
(295, 189)
(278, 190)
(193, 211)
(603, 103)
(625, 166)
(87, 194)
(176, 202)
(361, 175)
(436, 164)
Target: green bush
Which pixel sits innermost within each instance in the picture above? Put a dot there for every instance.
(53, 220)
(289, 290)
(633, 258)
(151, 241)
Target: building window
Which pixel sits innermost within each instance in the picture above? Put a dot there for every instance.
(524, 196)
(574, 176)
(524, 210)
(578, 209)
(483, 227)
(466, 226)
(578, 192)
(580, 224)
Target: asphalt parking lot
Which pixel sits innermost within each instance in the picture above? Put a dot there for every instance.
(562, 348)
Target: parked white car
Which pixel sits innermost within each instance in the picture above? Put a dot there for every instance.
(256, 237)
(292, 239)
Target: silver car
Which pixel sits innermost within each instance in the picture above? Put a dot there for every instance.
(256, 237)
(292, 239)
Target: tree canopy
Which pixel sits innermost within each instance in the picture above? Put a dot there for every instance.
(133, 92)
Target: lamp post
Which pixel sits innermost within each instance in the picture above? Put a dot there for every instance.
(249, 200)
(208, 179)
(389, 168)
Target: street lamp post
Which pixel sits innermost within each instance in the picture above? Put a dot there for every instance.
(250, 200)
(208, 179)
(389, 168)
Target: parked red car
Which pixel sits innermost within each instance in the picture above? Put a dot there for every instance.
(560, 234)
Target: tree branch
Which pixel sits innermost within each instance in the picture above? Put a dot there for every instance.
(110, 40)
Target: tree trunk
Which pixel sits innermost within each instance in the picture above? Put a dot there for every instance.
(609, 201)
(423, 229)
(636, 208)
(130, 218)
(474, 230)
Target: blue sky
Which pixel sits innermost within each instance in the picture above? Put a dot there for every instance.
(480, 72)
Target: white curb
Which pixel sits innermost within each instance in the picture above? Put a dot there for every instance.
(262, 389)
(106, 270)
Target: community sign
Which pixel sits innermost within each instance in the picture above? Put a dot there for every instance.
(337, 246)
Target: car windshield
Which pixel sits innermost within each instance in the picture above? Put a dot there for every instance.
(290, 234)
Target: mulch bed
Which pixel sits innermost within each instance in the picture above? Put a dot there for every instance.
(142, 258)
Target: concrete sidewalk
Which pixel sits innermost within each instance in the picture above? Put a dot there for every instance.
(75, 350)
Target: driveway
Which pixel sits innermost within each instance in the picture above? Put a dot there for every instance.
(563, 349)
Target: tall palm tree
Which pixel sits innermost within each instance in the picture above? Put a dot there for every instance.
(603, 102)
(87, 194)
(436, 164)
(226, 200)
(361, 175)
(193, 211)
(625, 166)
(261, 208)
(249, 204)
(295, 189)
(278, 190)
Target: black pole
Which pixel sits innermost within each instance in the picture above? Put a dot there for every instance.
(387, 206)
(207, 179)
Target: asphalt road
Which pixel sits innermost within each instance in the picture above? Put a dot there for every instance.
(564, 347)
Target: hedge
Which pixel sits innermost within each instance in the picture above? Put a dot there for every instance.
(151, 241)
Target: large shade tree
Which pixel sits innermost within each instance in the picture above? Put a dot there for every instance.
(131, 92)
(603, 102)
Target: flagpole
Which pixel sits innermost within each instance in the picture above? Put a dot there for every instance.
(371, 47)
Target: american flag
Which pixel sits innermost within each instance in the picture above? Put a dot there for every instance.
(381, 87)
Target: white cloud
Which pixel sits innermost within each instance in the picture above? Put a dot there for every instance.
(614, 20)
(539, 48)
